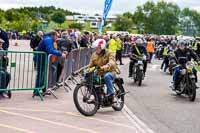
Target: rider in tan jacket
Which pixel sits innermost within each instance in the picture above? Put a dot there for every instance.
(105, 60)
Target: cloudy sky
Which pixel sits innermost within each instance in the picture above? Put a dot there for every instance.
(92, 6)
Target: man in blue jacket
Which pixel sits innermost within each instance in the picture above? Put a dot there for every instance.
(45, 45)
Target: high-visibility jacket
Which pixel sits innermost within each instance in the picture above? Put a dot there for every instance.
(112, 45)
(119, 44)
(195, 45)
(165, 51)
(150, 47)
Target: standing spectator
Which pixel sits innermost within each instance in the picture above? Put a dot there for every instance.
(4, 75)
(85, 40)
(35, 40)
(112, 44)
(119, 50)
(4, 37)
(74, 41)
(46, 45)
(64, 45)
(150, 48)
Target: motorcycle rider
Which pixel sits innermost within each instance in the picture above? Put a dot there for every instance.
(183, 51)
(138, 49)
(104, 60)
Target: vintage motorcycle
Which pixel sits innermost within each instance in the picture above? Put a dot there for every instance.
(91, 93)
(138, 70)
(187, 84)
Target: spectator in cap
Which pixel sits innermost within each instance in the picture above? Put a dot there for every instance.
(46, 45)
(74, 41)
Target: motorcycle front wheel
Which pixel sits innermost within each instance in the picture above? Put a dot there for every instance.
(86, 100)
(192, 92)
(140, 77)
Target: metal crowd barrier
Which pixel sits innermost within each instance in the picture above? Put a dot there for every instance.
(17, 71)
(76, 60)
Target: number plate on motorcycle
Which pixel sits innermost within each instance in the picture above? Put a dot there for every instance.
(140, 62)
(192, 76)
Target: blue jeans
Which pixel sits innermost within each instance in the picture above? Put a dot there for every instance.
(53, 75)
(165, 63)
(178, 71)
(40, 76)
(109, 78)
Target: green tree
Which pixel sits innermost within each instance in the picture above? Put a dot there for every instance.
(58, 17)
(76, 26)
(123, 23)
(160, 18)
(34, 25)
(19, 25)
(11, 15)
(190, 22)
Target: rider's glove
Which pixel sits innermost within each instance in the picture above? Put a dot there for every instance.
(98, 67)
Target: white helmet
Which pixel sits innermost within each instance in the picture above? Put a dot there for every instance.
(99, 43)
(139, 42)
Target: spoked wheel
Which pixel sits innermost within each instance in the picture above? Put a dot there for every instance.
(85, 100)
(119, 97)
(181, 88)
(192, 92)
(140, 77)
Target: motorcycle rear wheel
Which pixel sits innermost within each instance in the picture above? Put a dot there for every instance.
(118, 106)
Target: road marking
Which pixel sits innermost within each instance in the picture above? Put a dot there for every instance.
(48, 121)
(52, 111)
(141, 126)
(103, 121)
(74, 114)
(16, 128)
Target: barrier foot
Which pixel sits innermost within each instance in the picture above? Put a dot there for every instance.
(40, 94)
(66, 89)
(53, 94)
(65, 84)
(74, 80)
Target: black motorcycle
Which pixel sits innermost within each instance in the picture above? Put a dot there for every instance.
(91, 94)
(187, 84)
(138, 71)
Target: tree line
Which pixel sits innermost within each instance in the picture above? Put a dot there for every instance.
(156, 18)
(30, 18)
(160, 18)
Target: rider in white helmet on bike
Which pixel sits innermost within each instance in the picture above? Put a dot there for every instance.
(105, 61)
